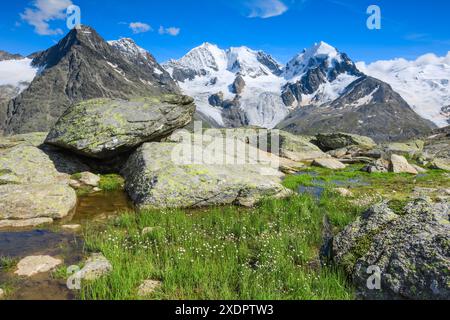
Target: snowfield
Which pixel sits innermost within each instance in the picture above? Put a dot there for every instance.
(424, 83)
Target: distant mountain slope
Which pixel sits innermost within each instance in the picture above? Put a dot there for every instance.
(81, 66)
(424, 83)
(367, 107)
(320, 89)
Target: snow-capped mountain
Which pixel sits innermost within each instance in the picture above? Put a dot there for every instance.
(240, 86)
(424, 83)
(232, 87)
(82, 66)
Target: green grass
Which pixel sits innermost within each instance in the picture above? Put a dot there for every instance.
(7, 264)
(269, 252)
(111, 182)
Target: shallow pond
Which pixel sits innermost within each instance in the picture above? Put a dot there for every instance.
(93, 208)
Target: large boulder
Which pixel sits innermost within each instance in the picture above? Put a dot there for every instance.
(411, 148)
(333, 141)
(25, 202)
(105, 128)
(32, 189)
(399, 164)
(409, 245)
(297, 148)
(157, 176)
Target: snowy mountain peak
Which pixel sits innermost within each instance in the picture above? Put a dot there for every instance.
(128, 47)
(313, 57)
(251, 63)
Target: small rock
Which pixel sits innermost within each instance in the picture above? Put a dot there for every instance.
(379, 166)
(96, 189)
(71, 227)
(75, 184)
(344, 192)
(399, 164)
(89, 179)
(329, 163)
(33, 265)
(2, 293)
(148, 287)
(147, 230)
(419, 169)
(96, 267)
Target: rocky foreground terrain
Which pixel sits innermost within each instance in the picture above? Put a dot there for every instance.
(41, 173)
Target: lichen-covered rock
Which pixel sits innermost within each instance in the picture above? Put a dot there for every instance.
(25, 164)
(329, 163)
(157, 177)
(34, 139)
(22, 202)
(399, 164)
(378, 166)
(334, 141)
(105, 128)
(89, 179)
(412, 148)
(409, 244)
(441, 164)
(297, 148)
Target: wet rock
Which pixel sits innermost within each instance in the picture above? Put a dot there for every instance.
(33, 265)
(410, 246)
(95, 267)
(334, 141)
(105, 128)
(329, 163)
(27, 223)
(159, 175)
(399, 164)
(89, 179)
(71, 227)
(148, 287)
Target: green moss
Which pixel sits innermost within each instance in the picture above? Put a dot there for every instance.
(398, 206)
(76, 176)
(84, 190)
(111, 182)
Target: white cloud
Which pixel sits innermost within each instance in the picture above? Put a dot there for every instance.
(170, 31)
(42, 12)
(140, 27)
(266, 8)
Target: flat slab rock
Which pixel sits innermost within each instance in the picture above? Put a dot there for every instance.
(105, 128)
(155, 179)
(33, 265)
(329, 163)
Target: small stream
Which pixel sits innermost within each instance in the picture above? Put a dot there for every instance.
(95, 208)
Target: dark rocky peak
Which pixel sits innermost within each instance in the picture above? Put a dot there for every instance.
(83, 38)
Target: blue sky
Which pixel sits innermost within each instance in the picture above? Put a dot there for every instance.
(170, 28)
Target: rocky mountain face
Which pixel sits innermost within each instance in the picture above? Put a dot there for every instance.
(367, 107)
(424, 83)
(80, 67)
(9, 56)
(320, 89)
